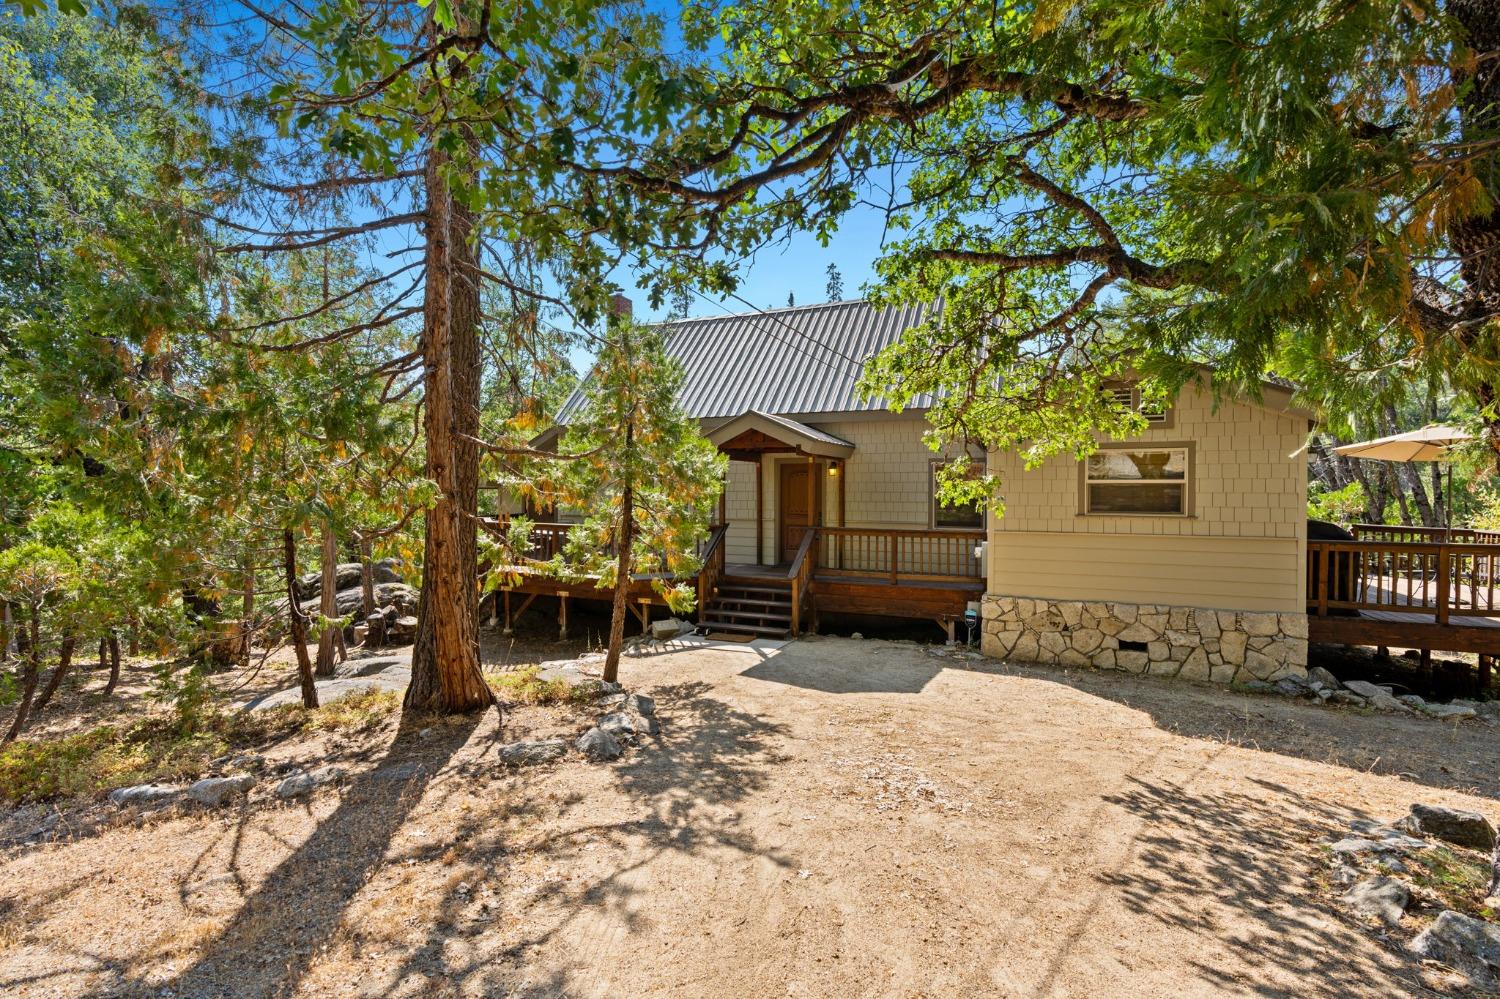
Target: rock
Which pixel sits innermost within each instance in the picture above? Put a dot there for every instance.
(597, 744)
(629, 724)
(1347, 697)
(305, 783)
(1464, 943)
(395, 595)
(214, 791)
(347, 577)
(640, 704)
(1291, 686)
(1451, 825)
(1355, 845)
(670, 628)
(1410, 700)
(246, 761)
(1446, 711)
(1378, 697)
(1324, 677)
(1380, 898)
(144, 794)
(608, 687)
(536, 751)
(1260, 687)
(856, 635)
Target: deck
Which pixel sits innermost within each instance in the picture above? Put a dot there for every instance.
(916, 574)
(1408, 587)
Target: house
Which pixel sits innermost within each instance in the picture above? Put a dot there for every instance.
(1181, 551)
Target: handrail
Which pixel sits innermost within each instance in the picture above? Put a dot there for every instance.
(1445, 580)
(800, 574)
(1414, 533)
(713, 567)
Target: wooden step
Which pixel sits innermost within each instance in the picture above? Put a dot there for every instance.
(781, 591)
(750, 615)
(755, 629)
(750, 601)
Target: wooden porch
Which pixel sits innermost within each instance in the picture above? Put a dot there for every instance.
(1411, 587)
(914, 574)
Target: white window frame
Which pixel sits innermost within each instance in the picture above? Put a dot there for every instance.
(1189, 467)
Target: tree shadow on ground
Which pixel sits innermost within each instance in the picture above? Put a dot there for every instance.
(1250, 853)
(1463, 757)
(678, 797)
(277, 931)
(799, 665)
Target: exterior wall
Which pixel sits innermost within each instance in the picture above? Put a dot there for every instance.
(1240, 550)
(886, 483)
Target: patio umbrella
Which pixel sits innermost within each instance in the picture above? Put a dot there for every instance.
(1433, 443)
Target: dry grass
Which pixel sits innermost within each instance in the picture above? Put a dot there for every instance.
(1457, 878)
(527, 686)
(162, 748)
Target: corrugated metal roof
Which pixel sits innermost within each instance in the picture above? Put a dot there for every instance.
(792, 362)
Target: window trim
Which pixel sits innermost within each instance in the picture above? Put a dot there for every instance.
(1189, 489)
(932, 503)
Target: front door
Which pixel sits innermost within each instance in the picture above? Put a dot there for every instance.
(796, 491)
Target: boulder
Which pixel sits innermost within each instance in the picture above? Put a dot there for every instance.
(144, 794)
(1379, 697)
(1292, 686)
(305, 783)
(597, 744)
(214, 791)
(536, 751)
(1380, 898)
(347, 577)
(1451, 825)
(1464, 943)
(629, 724)
(1355, 845)
(1324, 677)
(392, 595)
(1446, 711)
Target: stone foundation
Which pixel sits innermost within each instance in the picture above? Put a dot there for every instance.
(1218, 646)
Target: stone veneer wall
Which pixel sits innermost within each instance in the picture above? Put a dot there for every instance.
(1219, 646)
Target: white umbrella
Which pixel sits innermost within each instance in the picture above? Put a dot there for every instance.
(1433, 443)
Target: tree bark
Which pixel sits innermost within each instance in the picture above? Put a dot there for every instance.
(114, 664)
(30, 670)
(445, 674)
(247, 604)
(298, 621)
(623, 537)
(5, 630)
(64, 663)
(328, 601)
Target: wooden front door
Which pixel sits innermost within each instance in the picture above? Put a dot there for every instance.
(794, 495)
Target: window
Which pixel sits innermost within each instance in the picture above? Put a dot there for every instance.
(1136, 480)
(965, 516)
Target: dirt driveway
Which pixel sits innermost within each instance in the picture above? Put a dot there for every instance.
(836, 818)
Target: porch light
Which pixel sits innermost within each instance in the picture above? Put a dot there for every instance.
(833, 471)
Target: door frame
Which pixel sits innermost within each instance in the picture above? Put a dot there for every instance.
(820, 497)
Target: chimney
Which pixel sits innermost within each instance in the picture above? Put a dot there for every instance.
(621, 307)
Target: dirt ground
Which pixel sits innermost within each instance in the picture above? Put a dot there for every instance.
(834, 818)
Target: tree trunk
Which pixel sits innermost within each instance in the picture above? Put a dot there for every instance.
(328, 601)
(114, 664)
(298, 621)
(30, 670)
(64, 663)
(623, 537)
(5, 630)
(374, 636)
(445, 673)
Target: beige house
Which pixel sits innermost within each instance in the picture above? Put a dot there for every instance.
(1180, 552)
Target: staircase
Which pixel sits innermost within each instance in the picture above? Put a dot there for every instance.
(762, 608)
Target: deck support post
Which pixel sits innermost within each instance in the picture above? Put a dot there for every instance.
(760, 512)
(946, 623)
(1485, 664)
(562, 615)
(507, 630)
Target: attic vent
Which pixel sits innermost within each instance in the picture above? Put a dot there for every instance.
(1130, 398)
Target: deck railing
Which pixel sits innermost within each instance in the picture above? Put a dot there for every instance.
(1411, 533)
(896, 555)
(712, 553)
(1444, 580)
(800, 574)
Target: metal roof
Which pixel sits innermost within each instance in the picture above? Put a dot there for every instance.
(800, 361)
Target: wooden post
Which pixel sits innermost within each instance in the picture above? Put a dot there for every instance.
(1485, 663)
(843, 505)
(562, 615)
(812, 492)
(1324, 583)
(508, 629)
(895, 544)
(1443, 585)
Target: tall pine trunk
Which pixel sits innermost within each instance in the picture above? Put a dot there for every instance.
(298, 621)
(445, 674)
(624, 538)
(328, 601)
(114, 663)
(247, 604)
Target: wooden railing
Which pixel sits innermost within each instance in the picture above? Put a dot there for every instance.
(1410, 534)
(800, 574)
(894, 555)
(1445, 580)
(713, 566)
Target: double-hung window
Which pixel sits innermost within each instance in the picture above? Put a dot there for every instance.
(1137, 480)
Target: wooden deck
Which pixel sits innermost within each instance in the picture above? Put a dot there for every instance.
(1414, 594)
(839, 570)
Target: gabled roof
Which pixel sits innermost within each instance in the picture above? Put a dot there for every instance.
(802, 361)
(780, 429)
